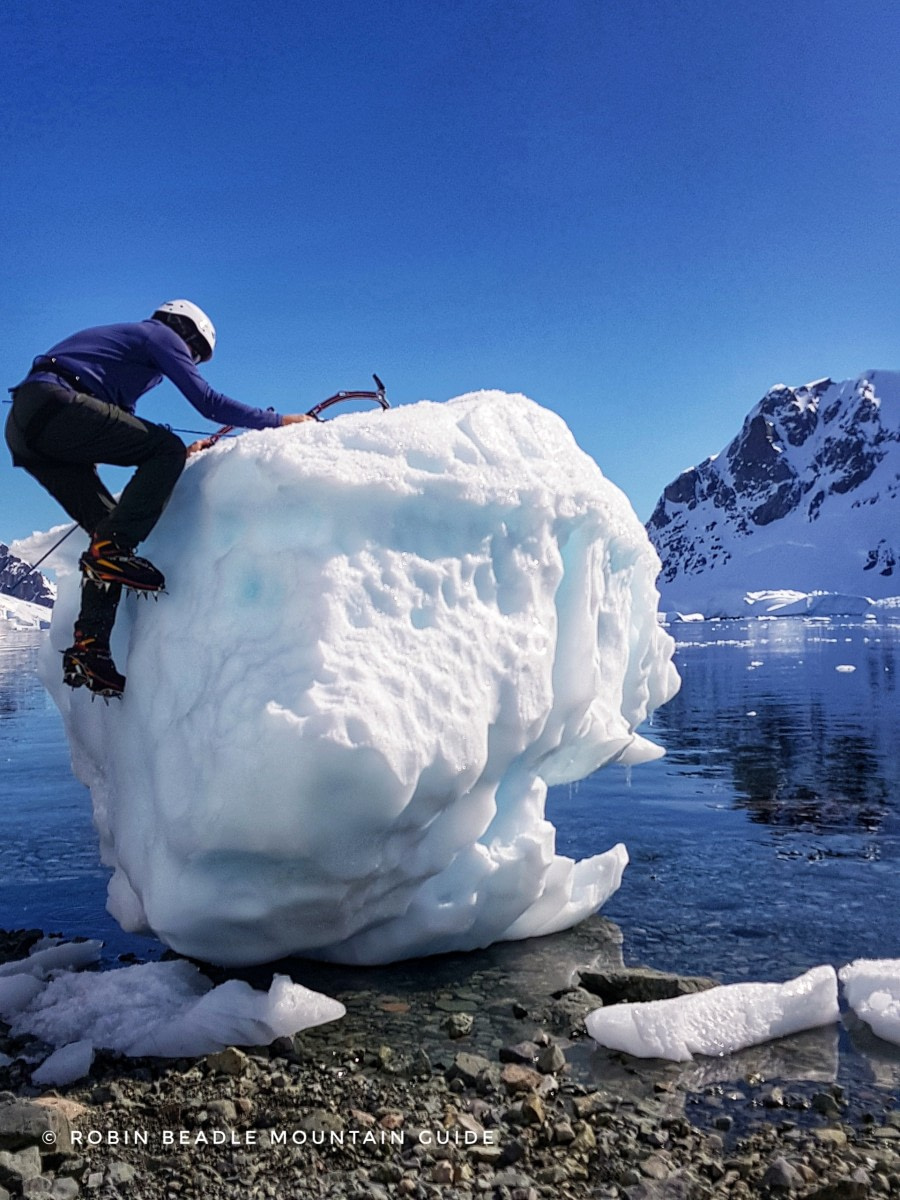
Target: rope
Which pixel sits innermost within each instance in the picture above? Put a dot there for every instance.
(21, 580)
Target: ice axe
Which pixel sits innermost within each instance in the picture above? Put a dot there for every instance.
(378, 396)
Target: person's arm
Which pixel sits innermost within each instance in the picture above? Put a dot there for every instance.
(172, 358)
(287, 419)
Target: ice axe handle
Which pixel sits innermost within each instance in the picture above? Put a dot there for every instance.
(379, 398)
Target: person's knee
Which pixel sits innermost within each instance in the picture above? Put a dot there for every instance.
(170, 447)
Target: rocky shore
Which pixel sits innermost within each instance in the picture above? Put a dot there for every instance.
(461, 1077)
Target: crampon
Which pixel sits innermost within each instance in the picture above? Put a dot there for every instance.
(88, 663)
(105, 563)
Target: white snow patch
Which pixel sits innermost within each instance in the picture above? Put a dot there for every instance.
(384, 636)
(719, 1021)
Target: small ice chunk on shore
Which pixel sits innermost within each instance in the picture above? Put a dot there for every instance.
(65, 1065)
(872, 988)
(719, 1021)
(164, 1009)
(16, 991)
(53, 956)
(169, 1009)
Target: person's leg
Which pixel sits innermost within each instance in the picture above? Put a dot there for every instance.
(82, 493)
(58, 438)
(84, 431)
(76, 487)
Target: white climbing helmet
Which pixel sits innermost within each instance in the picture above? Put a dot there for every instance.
(190, 323)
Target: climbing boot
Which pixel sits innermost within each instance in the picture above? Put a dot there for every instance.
(88, 663)
(106, 562)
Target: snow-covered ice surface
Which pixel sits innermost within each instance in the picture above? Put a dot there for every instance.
(784, 602)
(23, 614)
(872, 988)
(167, 1009)
(384, 637)
(719, 1021)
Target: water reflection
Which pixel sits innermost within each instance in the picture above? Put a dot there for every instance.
(20, 689)
(801, 716)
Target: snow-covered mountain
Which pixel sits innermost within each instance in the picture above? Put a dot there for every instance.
(20, 581)
(806, 497)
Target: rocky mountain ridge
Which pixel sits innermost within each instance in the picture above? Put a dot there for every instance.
(806, 497)
(19, 580)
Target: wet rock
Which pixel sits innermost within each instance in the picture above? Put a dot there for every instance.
(517, 1078)
(468, 1068)
(683, 1186)
(34, 1189)
(230, 1061)
(525, 1053)
(551, 1060)
(442, 1172)
(65, 1188)
(587, 1123)
(563, 1133)
(638, 984)
(18, 1165)
(781, 1176)
(23, 1123)
(459, 1024)
(222, 1110)
(831, 1136)
(856, 1187)
(533, 1111)
(16, 943)
(120, 1173)
(593, 1102)
(585, 1138)
(826, 1104)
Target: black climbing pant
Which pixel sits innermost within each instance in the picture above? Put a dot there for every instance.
(59, 436)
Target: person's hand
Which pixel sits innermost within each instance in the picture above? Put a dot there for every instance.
(203, 444)
(295, 418)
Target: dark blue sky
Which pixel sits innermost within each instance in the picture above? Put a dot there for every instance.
(641, 213)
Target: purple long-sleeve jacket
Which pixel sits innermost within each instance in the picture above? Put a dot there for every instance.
(119, 363)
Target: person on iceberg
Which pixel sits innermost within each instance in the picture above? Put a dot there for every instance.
(75, 409)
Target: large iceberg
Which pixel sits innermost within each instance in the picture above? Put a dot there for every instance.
(383, 637)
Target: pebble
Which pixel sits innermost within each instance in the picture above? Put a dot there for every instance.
(520, 1114)
(551, 1060)
(459, 1025)
(518, 1078)
(782, 1176)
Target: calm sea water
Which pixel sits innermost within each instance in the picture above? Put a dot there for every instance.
(765, 842)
